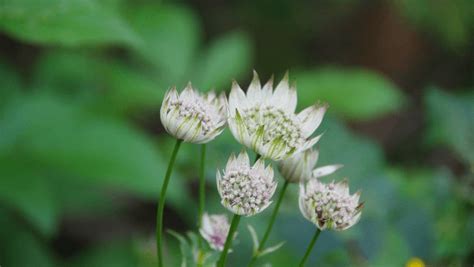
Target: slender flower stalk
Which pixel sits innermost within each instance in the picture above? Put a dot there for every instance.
(228, 241)
(191, 117)
(298, 168)
(161, 203)
(310, 247)
(261, 245)
(245, 190)
(202, 188)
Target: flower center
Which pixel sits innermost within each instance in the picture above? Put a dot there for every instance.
(332, 207)
(277, 125)
(192, 110)
(244, 191)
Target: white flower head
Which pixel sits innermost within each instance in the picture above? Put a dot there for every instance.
(329, 206)
(215, 229)
(192, 116)
(246, 190)
(300, 167)
(265, 121)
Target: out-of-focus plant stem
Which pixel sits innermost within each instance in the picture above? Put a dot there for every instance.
(202, 190)
(228, 241)
(161, 204)
(310, 247)
(261, 245)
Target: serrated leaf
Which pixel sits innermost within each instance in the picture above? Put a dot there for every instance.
(68, 23)
(353, 93)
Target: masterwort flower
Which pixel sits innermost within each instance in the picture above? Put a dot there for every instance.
(300, 167)
(246, 190)
(265, 120)
(215, 229)
(192, 116)
(329, 206)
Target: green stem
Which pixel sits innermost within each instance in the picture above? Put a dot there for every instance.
(161, 204)
(261, 246)
(202, 190)
(228, 241)
(310, 247)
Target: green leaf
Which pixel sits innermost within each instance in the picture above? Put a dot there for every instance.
(68, 23)
(28, 190)
(170, 35)
(394, 248)
(117, 254)
(227, 58)
(352, 93)
(451, 122)
(11, 83)
(106, 84)
(19, 247)
(71, 141)
(450, 21)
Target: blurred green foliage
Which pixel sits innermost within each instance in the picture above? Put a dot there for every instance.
(80, 137)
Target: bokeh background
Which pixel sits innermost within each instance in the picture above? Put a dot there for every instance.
(83, 152)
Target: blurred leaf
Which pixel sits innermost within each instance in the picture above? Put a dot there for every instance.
(451, 21)
(226, 58)
(361, 157)
(69, 140)
(353, 93)
(117, 254)
(451, 122)
(19, 247)
(69, 23)
(171, 37)
(27, 190)
(105, 83)
(394, 251)
(11, 83)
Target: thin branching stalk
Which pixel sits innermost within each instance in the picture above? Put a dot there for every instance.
(161, 204)
(202, 194)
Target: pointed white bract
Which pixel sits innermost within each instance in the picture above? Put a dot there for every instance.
(300, 167)
(193, 117)
(215, 229)
(264, 119)
(244, 189)
(329, 206)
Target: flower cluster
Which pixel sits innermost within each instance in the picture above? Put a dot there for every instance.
(262, 119)
(246, 190)
(265, 120)
(329, 206)
(193, 117)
